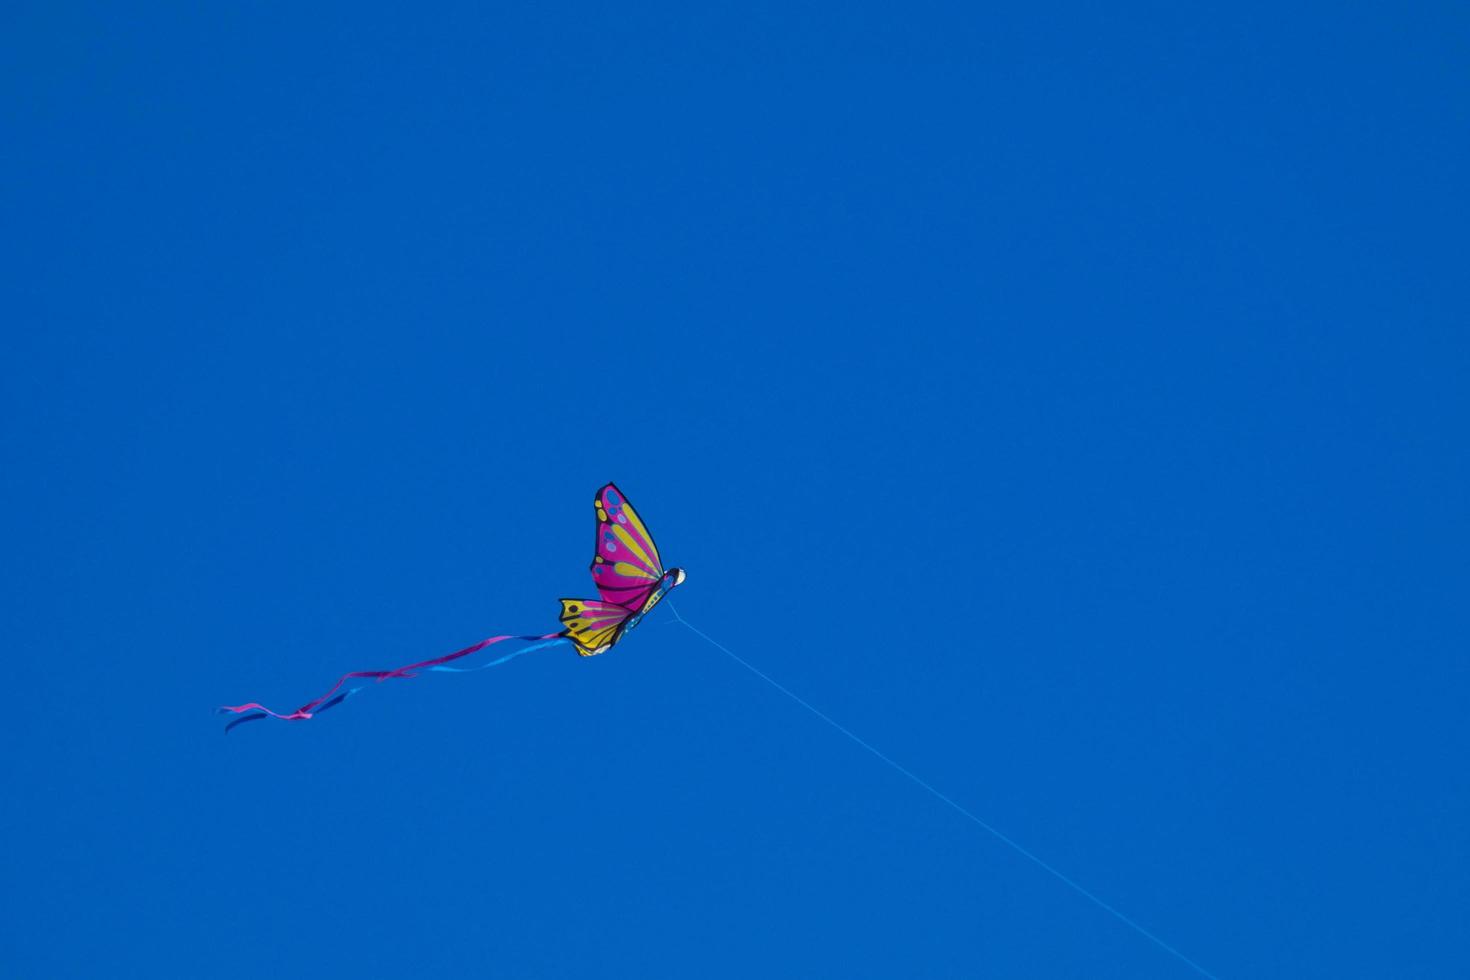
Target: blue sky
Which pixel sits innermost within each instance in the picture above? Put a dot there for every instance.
(1068, 399)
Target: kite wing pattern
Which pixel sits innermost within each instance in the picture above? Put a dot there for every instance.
(625, 564)
(593, 626)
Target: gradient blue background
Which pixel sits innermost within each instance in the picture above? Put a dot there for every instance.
(1069, 400)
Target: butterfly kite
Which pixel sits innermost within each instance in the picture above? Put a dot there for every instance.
(630, 579)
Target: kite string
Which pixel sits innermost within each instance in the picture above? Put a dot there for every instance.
(945, 799)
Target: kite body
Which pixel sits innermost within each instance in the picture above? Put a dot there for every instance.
(629, 575)
(630, 579)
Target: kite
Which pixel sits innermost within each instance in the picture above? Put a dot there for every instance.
(630, 579)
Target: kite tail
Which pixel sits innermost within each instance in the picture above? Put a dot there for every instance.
(254, 711)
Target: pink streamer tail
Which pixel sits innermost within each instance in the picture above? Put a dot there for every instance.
(305, 711)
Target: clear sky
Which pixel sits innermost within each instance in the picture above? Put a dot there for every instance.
(1069, 399)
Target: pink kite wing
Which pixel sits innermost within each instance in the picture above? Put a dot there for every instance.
(626, 565)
